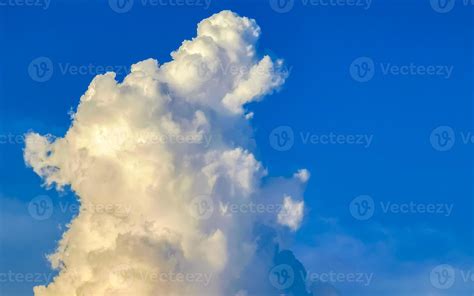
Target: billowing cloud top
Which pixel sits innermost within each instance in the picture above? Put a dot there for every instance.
(169, 193)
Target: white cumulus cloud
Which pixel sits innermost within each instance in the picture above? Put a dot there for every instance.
(153, 143)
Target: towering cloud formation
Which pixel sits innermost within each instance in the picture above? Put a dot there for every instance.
(170, 195)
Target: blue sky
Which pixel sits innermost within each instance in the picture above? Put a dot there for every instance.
(420, 67)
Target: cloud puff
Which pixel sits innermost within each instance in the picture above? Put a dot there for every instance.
(303, 175)
(169, 144)
(291, 214)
